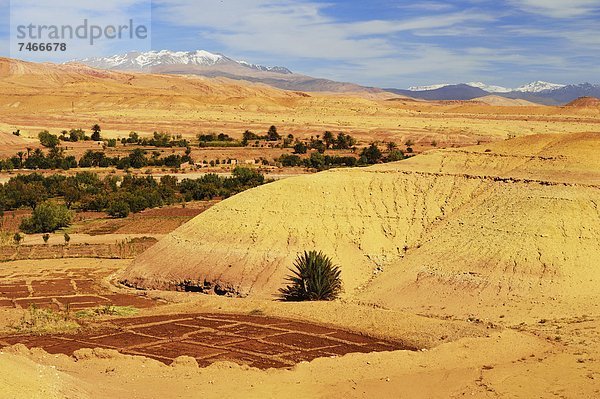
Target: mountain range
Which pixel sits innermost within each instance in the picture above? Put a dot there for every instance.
(537, 92)
(534, 87)
(204, 63)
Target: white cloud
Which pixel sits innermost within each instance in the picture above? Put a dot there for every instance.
(377, 51)
(294, 28)
(558, 8)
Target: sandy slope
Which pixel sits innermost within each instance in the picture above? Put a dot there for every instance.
(585, 102)
(21, 378)
(504, 102)
(518, 222)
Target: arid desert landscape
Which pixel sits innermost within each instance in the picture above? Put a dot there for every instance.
(467, 236)
(300, 199)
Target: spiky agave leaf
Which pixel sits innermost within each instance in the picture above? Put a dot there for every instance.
(313, 278)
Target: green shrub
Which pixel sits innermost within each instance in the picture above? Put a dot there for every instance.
(372, 154)
(314, 278)
(47, 218)
(118, 209)
(48, 140)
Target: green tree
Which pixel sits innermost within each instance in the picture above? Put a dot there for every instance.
(395, 156)
(96, 130)
(137, 158)
(47, 218)
(48, 140)
(118, 209)
(344, 142)
(372, 154)
(314, 278)
(300, 148)
(248, 136)
(77, 135)
(329, 139)
(248, 177)
(32, 193)
(272, 134)
(317, 160)
(319, 146)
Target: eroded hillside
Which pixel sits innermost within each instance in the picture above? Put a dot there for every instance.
(519, 219)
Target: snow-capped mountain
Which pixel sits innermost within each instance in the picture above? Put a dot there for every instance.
(212, 65)
(533, 87)
(489, 88)
(537, 92)
(538, 87)
(427, 88)
(141, 61)
(275, 69)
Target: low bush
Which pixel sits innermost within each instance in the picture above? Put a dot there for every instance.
(314, 278)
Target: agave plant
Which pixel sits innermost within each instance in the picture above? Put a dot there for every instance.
(314, 278)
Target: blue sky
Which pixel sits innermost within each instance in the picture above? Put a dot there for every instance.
(378, 42)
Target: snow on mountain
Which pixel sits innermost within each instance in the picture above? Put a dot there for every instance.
(154, 58)
(144, 60)
(533, 87)
(263, 68)
(490, 88)
(479, 85)
(427, 88)
(538, 87)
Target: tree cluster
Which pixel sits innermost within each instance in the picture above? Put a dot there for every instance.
(87, 191)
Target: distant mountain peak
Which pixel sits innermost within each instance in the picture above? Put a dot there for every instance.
(275, 69)
(430, 87)
(214, 65)
(135, 61)
(489, 88)
(538, 87)
(533, 87)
